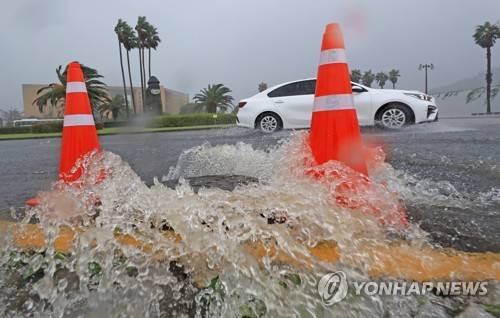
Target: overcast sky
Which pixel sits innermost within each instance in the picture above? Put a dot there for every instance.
(241, 43)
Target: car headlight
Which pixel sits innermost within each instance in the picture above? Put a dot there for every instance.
(420, 96)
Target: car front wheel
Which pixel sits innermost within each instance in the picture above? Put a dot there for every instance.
(394, 117)
(269, 123)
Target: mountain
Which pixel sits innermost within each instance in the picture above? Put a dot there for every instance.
(469, 83)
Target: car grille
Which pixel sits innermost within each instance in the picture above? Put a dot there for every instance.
(431, 109)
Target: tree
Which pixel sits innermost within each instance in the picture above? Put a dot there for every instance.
(55, 93)
(120, 32)
(140, 28)
(262, 87)
(393, 77)
(147, 38)
(130, 42)
(368, 78)
(115, 106)
(10, 115)
(381, 78)
(356, 75)
(214, 98)
(485, 36)
(153, 40)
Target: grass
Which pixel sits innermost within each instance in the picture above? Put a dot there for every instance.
(114, 131)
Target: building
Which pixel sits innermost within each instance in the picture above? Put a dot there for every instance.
(171, 101)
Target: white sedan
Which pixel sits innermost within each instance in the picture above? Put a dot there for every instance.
(290, 105)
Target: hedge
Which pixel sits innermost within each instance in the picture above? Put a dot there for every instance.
(120, 123)
(186, 120)
(14, 130)
(41, 128)
(47, 127)
(183, 120)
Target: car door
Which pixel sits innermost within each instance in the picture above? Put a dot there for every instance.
(362, 104)
(294, 102)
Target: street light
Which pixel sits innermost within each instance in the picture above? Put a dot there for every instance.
(426, 66)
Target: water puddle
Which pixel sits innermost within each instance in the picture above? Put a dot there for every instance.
(258, 250)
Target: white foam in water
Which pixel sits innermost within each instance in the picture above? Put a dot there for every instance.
(491, 196)
(240, 159)
(213, 225)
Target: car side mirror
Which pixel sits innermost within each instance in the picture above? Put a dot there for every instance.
(357, 89)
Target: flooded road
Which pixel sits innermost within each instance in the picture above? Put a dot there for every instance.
(445, 174)
(455, 158)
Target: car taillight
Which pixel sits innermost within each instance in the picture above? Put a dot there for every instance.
(241, 104)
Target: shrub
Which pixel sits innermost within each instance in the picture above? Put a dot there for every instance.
(201, 119)
(14, 130)
(53, 127)
(41, 128)
(99, 125)
(50, 127)
(118, 123)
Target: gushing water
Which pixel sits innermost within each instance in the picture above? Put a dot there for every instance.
(160, 252)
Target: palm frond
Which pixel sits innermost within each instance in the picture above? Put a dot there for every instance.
(55, 93)
(214, 98)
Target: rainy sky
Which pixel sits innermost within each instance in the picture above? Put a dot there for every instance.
(241, 43)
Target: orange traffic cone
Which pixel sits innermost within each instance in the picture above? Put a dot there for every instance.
(335, 133)
(79, 132)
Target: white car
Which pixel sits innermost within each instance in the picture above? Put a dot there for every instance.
(290, 105)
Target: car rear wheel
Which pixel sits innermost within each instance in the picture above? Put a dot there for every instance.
(394, 117)
(269, 122)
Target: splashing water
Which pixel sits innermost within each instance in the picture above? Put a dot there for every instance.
(155, 251)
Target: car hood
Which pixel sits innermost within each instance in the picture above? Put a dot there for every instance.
(397, 91)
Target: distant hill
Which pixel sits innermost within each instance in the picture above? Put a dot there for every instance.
(469, 83)
(455, 104)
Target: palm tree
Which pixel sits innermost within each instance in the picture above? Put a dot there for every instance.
(114, 106)
(356, 75)
(120, 32)
(393, 77)
(381, 78)
(368, 78)
(139, 28)
(262, 87)
(55, 93)
(153, 41)
(142, 28)
(129, 43)
(213, 98)
(485, 36)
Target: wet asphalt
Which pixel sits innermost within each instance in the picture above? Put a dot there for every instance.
(463, 153)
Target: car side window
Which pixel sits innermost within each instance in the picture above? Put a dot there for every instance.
(292, 89)
(286, 90)
(307, 87)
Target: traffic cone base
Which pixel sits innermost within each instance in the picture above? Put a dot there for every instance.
(32, 202)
